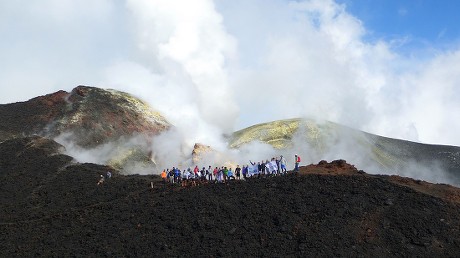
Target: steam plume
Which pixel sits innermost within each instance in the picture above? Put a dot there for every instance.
(212, 67)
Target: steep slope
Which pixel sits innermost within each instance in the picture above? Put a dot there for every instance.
(93, 118)
(86, 118)
(93, 115)
(327, 140)
(331, 209)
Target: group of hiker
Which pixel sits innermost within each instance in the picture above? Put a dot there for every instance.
(273, 167)
(102, 178)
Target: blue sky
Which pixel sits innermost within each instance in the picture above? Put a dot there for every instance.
(384, 66)
(425, 23)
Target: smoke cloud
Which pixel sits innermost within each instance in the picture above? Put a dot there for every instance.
(182, 72)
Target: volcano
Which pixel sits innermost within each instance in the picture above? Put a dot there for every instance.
(51, 205)
(91, 118)
(94, 116)
(87, 118)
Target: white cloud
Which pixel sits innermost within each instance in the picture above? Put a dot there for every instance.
(320, 65)
(201, 61)
(191, 36)
(51, 45)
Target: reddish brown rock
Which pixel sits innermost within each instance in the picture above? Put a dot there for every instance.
(95, 116)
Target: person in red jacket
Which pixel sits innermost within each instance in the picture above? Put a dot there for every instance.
(196, 171)
(297, 161)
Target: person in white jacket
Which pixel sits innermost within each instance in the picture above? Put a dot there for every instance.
(273, 166)
(283, 164)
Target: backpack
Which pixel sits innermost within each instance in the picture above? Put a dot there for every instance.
(298, 158)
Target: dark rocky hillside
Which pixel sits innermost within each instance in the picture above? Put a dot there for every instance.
(86, 118)
(95, 116)
(51, 206)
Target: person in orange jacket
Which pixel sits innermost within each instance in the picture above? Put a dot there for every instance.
(163, 175)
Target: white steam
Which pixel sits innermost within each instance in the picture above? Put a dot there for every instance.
(182, 73)
(211, 67)
(129, 154)
(362, 151)
(312, 59)
(187, 40)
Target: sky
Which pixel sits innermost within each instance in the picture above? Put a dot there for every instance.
(422, 22)
(387, 67)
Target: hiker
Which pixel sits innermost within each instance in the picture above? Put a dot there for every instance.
(171, 175)
(297, 161)
(209, 173)
(278, 165)
(192, 178)
(230, 174)
(184, 180)
(283, 164)
(101, 180)
(196, 170)
(216, 173)
(238, 172)
(203, 174)
(189, 173)
(245, 171)
(220, 175)
(274, 167)
(177, 176)
(269, 167)
(163, 176)
(255, 169)
(109, 174)
(225, 172)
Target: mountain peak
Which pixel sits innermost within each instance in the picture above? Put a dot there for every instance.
(93, 115)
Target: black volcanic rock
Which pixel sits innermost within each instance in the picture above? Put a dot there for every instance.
(53, 207)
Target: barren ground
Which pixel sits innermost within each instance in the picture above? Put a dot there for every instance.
(330, 209)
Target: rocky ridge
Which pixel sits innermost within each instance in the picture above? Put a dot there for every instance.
(88, 117)
(51, 206)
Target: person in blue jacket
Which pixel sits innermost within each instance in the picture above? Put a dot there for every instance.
(230, 174)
